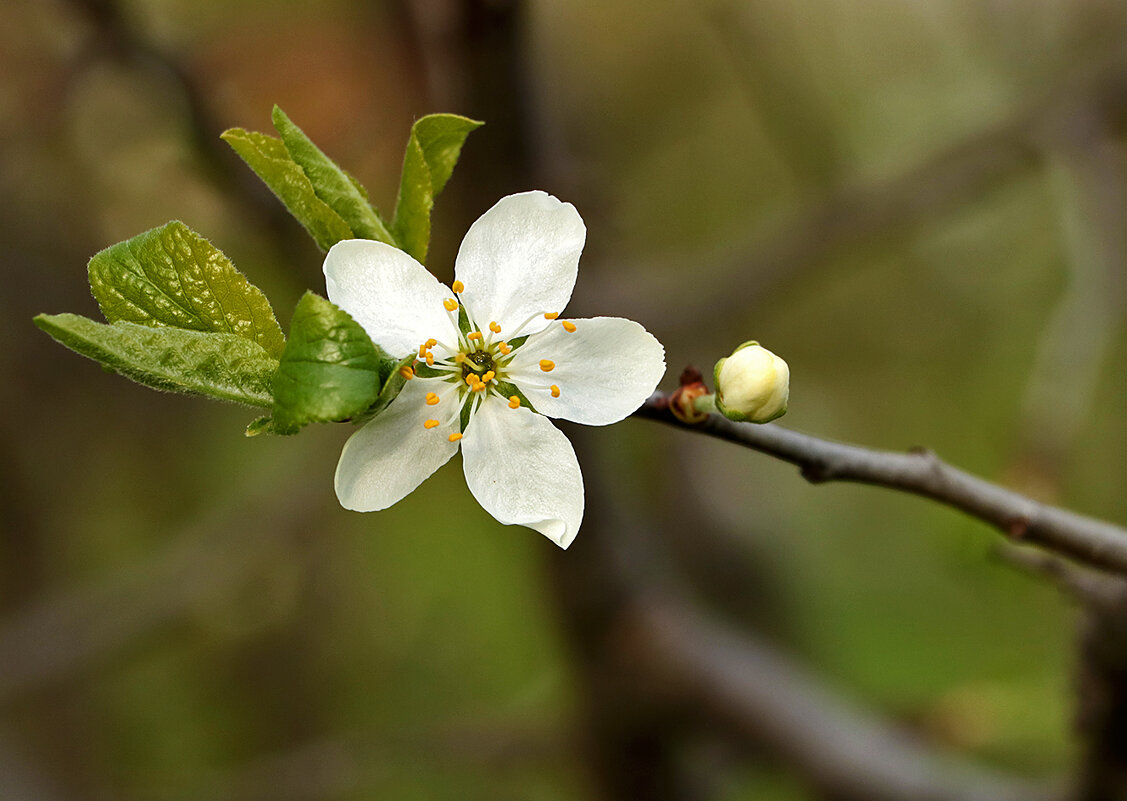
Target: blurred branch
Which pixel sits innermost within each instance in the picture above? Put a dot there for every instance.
(1090, 587)
(80, 628)
(1090, 174)
(759, 693)
(116, 37)
(921, 472)
(858, 214)
(668, 661)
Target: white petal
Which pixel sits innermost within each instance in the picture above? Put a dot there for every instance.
(523, 470)
(520, 260)
(605, 369)
(390, 456)
(390, 294)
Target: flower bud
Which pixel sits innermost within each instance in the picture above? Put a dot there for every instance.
(752, 385)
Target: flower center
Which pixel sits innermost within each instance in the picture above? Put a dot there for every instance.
(476, 365)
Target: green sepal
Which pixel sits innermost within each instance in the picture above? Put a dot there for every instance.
(467, 410)
(392, 386)
(330, 370)
(507, 390)
(463, 320)
(271, 161)
(216, 365)
(516, 343)
(171, 276)
(260, 425)
(432, 151)
(339, 190)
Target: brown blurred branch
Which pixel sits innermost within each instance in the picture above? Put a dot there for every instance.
(1095, 542)
(860, 213)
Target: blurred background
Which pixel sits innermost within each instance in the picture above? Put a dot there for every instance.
(920, 205)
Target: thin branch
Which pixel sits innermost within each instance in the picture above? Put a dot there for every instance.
(1094, 542)
(1091, 587)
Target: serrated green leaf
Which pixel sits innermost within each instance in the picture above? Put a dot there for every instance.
(172, 276)
(432, 151)
(339, 190)
(223, 366)
(272, 163)
(330, 370)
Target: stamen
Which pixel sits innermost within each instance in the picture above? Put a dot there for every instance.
(547, 365)
(496, 329)
(430, 343)
(458, 286)
(505, 348)
(514, 402)
(568, 326)
(422, 350)
(485, 379)
(454, 437)
(430, 424)
(473, 378)
(450, 304)
(459, 358)
(430, 359)
(432, 398)
(478, 387)
(406, 372)
(473, 335)
(555, 391)
(551, 315)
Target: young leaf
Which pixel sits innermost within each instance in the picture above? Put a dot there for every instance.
(392, 386)
(223, 366)
(330, 371)
(272, 163)
(432, 151)
(340, 191)
(172, 276)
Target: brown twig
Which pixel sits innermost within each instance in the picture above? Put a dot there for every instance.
(921, 472)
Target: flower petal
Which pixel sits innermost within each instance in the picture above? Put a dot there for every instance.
(519, 260)
(523, 470)
(604, 369)
(394, 453)
(390, 294)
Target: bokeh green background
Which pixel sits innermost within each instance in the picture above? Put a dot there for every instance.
(187, 613)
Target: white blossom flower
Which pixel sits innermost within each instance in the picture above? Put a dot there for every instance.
(490, 385)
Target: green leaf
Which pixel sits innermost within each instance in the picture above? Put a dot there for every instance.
(272, 163)
(172, 276)
(339, 190)
(330, 371)
(223, 366)
(393, 385)
(432, 151)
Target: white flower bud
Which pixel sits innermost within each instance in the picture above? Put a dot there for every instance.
(752, 385)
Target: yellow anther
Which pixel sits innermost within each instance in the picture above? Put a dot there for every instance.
(478, 387)
(422, 351)
(432, 399)
(430, 359)
(458, 286)
(551, 315)
(459, 358)
(406, 372)
(505, 348)
(568, 326)
(450, 304)
(454, 437)
(555, 391)
(430, 424)
(485, 379)
(547, 365)
(496, 329)
(514, 402)
(473, 378)
(430, 343)
(472, 335)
